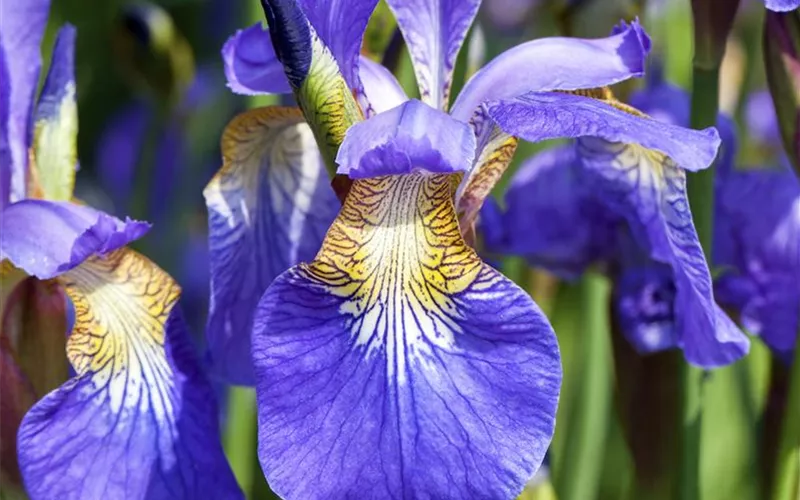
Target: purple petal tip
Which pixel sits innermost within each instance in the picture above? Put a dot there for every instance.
(635, 44)
(46, 238)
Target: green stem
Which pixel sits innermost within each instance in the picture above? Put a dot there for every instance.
(705, 99)
(585, 447)
(240, 437)
(691, 426)
(786, 485)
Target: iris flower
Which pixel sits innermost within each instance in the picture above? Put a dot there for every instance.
(757, 243)
(388, 359)
(594, 202)
(137, 418)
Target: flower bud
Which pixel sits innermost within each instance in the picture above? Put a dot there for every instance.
(781, 49)
(713, 20)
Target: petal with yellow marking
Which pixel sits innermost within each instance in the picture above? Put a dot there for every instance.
(269, 207)
(397, 364)
(490, 166)
(138, 420)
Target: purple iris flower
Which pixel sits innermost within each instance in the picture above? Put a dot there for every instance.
(137, 419)
(613, 204)
(389, 360)
(757, 238)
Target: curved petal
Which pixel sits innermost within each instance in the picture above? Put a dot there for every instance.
(55, 139)
(23, 27)
(138, 421)
(434, 31)
(483, 176)
(381, 88)
(251, 66)
(410, 137)
(268, 209)
(397, 364)
(540, 116)
(782, 5)
(551, 218)
(648, 189)
(670, 104)
(759, 251)
(47, 238)
(556, 64)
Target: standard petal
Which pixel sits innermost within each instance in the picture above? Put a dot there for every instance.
(23, 26)
(382, 89)
(55, 140)
(47, 238)
(551, 218)
(410, 137)
(759, 251)
(540, 116)
(397, 364)
(782, 5)
(269, 207)
(556, 64)
(328, 102)
(139, 420)
(341, 26)
(251, 66)
(434, 31)
(648, 189)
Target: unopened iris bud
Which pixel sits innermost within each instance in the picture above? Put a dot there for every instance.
(781, 49)
(713, 20)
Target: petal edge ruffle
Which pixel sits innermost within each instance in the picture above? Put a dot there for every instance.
(47, 238)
